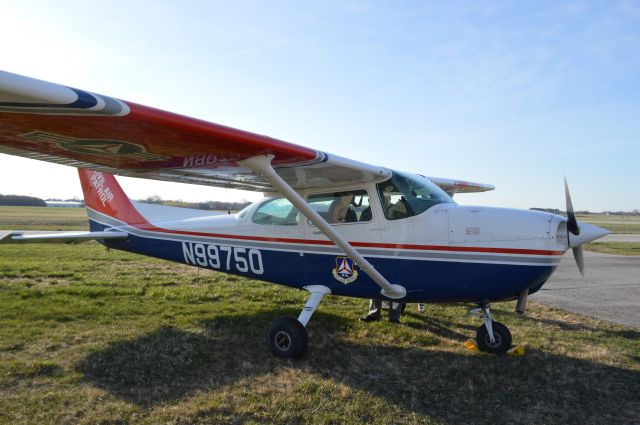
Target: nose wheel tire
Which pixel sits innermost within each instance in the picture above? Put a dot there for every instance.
(288, 338)
(501, 335)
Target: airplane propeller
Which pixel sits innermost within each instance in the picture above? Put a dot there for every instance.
(577, 236)
(574, 228)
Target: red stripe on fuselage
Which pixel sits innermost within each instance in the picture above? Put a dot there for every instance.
(151, 228)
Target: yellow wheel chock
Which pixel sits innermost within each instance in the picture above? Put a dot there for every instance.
(518, 350)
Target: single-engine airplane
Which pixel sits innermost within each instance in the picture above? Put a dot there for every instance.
(328, 224)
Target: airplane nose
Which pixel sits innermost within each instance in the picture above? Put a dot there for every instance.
(588, 233)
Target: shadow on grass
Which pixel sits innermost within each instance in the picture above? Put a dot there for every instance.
(441, 328)
(623, 333)
(452, 387)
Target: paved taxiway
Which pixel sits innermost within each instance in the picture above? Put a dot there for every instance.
(610, 289)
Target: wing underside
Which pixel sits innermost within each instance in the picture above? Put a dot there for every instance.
(59, 124)
(55, 123)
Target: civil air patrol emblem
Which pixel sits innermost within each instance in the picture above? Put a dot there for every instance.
(100, 147)
(345, 270)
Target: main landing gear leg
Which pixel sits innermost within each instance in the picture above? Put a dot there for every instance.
(492, 337)
(521, 306)
(287, 336)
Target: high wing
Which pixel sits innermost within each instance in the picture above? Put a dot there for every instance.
(59, 237)
(460, 186)
(60, 124)
(54, 123)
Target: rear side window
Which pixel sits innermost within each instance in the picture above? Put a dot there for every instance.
(278, 212)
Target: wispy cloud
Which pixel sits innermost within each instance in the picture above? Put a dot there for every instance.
(246, 51)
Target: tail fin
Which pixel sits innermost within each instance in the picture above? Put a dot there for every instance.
(103, 194)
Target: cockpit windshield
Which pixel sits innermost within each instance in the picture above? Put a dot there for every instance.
(406, 195)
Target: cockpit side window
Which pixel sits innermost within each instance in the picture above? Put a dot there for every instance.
(405, 195)
(277, 211)
(350, 206)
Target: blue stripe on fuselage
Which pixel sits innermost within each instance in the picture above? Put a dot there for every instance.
(425, 281)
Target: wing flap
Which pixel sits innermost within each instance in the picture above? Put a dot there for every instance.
(59, 237)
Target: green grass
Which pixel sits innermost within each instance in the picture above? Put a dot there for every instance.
(96, 336)
(43, 218)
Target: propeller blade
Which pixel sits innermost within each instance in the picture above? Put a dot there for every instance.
(574, 238)
(579, 256)
(572, 223)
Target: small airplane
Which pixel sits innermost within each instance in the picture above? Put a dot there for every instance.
(329, 225)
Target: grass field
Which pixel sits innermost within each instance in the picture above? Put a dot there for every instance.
(43, 218)
(96, 336)
(614, 223)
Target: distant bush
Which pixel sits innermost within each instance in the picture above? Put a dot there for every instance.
(21, 201)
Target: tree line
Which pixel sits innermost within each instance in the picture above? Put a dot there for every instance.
(32, 201)
(21, 201)
(206, 205)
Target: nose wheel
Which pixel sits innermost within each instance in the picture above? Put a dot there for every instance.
(501, 338)
(492, 337)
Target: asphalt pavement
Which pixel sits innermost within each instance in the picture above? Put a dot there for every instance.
(610, 289)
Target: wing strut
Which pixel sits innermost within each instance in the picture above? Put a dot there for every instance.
(261, 165)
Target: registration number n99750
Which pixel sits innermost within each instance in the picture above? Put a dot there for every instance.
(223, 257)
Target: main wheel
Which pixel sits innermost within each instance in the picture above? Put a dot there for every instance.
(501, 335)
(288, 338)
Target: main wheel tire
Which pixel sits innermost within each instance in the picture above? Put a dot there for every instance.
(287, 338)
(502, 337)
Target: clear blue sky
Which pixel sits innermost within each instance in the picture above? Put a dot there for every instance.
(516, 94)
